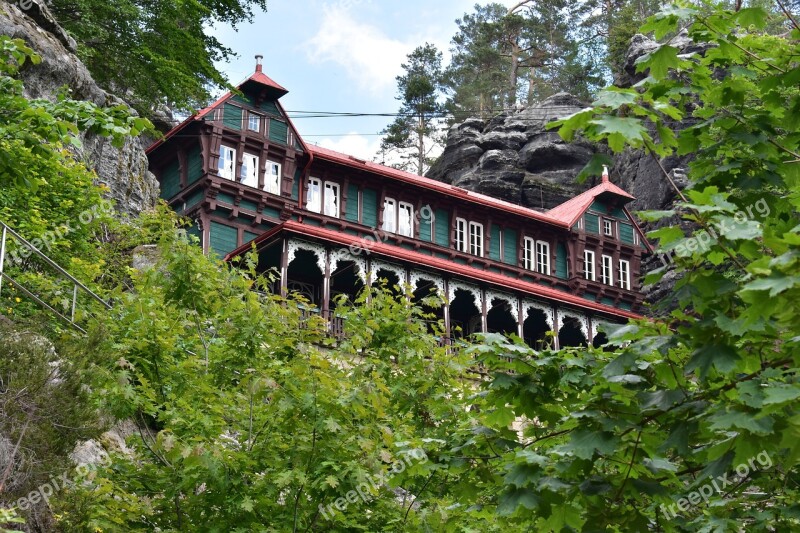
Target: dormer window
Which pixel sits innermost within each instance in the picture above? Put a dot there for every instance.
(254, 122)
(227, 162)
(249, 173)
(608, 228)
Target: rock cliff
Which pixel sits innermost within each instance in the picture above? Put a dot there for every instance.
(123, 170)
(513, 157)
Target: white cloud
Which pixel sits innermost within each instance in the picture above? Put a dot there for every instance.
(367, 55)
(354, 144)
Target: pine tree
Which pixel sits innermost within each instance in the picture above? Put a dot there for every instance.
(415, 131)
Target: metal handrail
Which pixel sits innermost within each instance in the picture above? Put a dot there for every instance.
(76, 284)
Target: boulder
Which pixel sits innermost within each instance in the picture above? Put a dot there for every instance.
(123, 170)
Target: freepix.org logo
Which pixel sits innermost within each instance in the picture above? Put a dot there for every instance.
(23, 4)
(717, 485)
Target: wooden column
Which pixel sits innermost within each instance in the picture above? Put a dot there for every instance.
(447, 309)
(326, 286)
(484, 311)
(285, 268)
(520, 319)
(556, 344)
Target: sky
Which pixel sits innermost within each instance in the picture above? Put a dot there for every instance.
(340, 56)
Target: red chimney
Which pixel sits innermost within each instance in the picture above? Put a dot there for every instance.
(259, 57)
(605, 174)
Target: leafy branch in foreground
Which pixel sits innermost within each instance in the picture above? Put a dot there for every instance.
(689, 422)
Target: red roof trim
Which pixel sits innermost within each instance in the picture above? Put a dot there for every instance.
(427, 183)
(263, 79)
(257, 77)
(571, 210)
(436, 263)
(194, 118)
(642, 236)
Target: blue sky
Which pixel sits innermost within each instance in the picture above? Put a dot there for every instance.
(341, 56)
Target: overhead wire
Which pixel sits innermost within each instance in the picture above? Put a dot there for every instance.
(300, 114)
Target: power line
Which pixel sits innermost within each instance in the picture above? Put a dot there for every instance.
(298, 114)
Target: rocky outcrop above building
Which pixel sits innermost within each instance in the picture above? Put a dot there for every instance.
(514, 157)
(123, 170)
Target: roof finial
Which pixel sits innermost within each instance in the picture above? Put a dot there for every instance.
(605, 174)
(259, 57)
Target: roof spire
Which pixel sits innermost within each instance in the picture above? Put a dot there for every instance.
(259, 57)
(605, 174)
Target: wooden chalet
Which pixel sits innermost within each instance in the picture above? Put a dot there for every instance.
(330, 223)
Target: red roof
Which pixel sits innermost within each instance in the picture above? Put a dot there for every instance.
(424, 260)
(257, 77)
(429, 184)
(261, 78)
(570, 211)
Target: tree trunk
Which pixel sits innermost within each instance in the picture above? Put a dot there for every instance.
(514, 73)
(421, 144)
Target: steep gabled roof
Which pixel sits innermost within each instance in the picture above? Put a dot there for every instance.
(258, 79)
(570, 211)
(262, 80)
(433, 185)
(417, 258)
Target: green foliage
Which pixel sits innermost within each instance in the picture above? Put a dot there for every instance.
(45, 194)
(247, 422)
(36, 438)
(154, 52)
(34, 133)
(688, 422)
(535, 51)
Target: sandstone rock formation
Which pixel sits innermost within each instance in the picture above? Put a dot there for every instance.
(514, 157)
(123, 170)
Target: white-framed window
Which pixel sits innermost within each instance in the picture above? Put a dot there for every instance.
(543, 257)
(624, 275)
(528, 254)
(314, 195)
(272, 177)
(253, 122)
(249, 172)
(607, 270)
(608, 227)
(476, 239)
(227, 162)
(405, 219)
(461, 235)
(588, 265)
(389, 215)
(331, 199)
